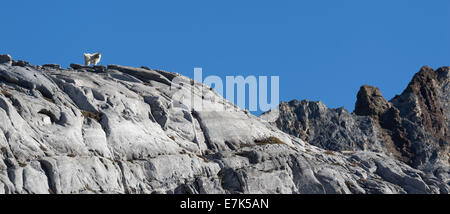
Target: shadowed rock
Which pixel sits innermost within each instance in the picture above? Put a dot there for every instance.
(78, 66)
(53, 66)
(370, 102)
(20, 63)
(412, 127)
(142, 74)
(5, 58)
(332, 129)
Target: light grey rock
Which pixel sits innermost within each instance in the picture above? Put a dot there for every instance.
(135, 130)
(140, 73)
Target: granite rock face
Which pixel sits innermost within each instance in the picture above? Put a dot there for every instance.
(120, 129)
(412, 127)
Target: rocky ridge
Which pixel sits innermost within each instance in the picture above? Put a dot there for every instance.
(412, 127)
(119, 129)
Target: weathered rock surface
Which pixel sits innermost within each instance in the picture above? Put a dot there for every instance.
(412, 127)
(137, 130)
(5, 59)
(21, 63)
(332, 129)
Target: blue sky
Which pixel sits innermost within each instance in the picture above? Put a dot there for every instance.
(322, 50)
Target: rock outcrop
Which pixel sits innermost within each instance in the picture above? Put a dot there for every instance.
(5, 59)
(120, 129)
(370, 102)
(332, 129)
(412, 127)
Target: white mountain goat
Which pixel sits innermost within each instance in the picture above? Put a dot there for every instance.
(92, 58)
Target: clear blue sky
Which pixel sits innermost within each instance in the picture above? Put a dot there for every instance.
(322, 50)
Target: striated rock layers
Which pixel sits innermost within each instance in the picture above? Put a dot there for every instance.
(121, 129)
(412, 127)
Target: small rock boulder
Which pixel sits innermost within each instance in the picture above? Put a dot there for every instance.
(76, 66)
(5, 58)
(20, 63)
(100, 68)
(54, 66)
